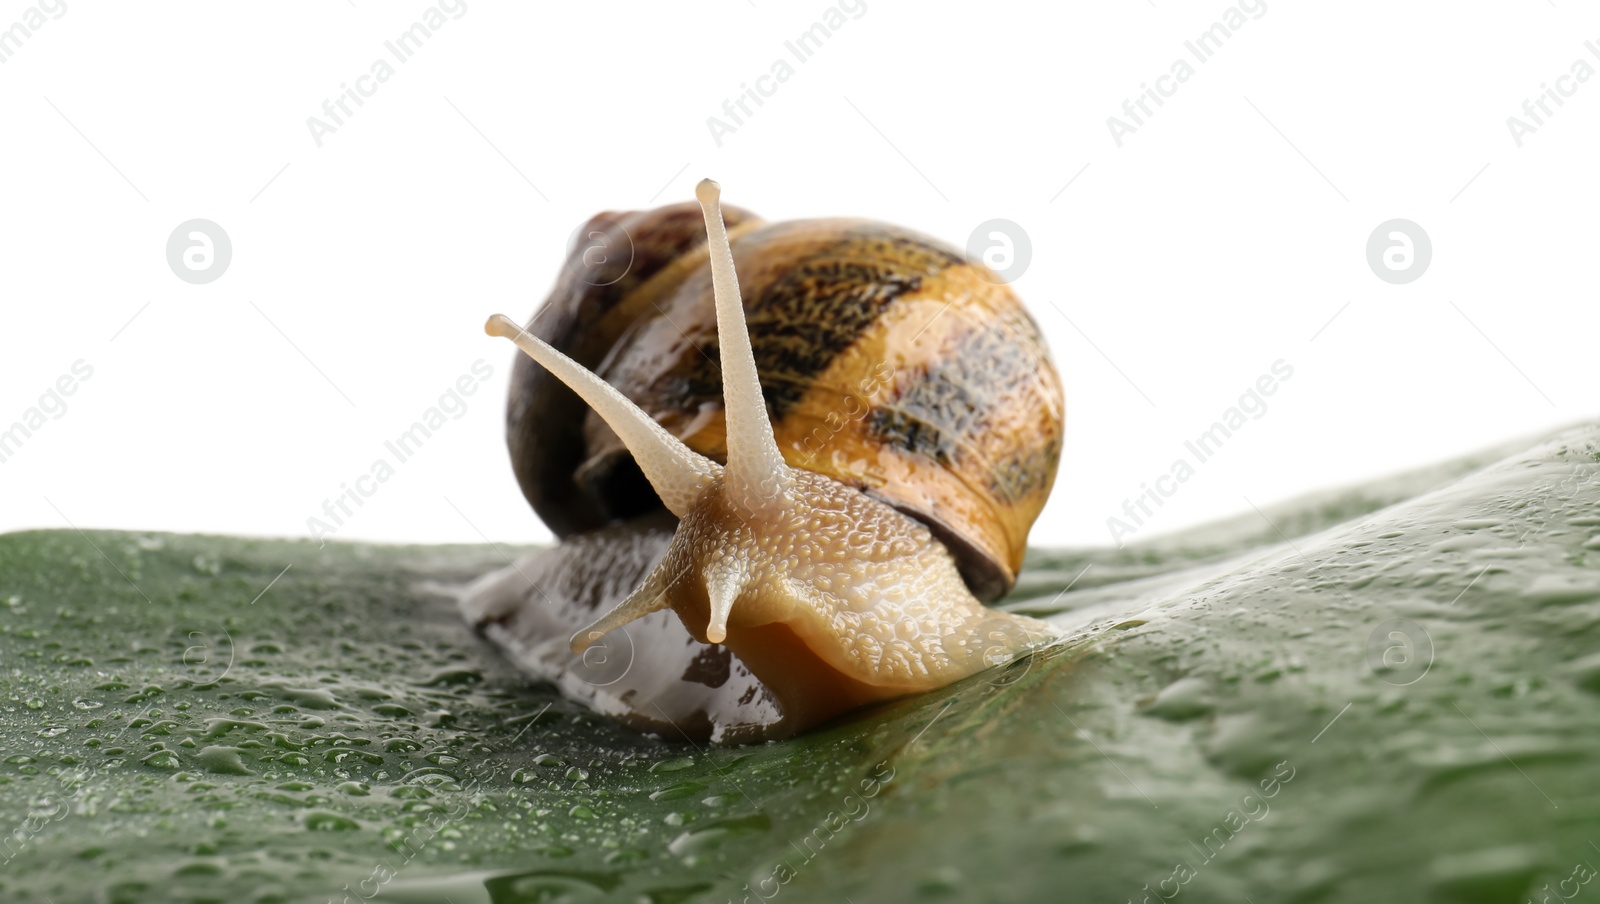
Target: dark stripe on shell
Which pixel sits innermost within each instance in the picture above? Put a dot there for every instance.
(956, 407)
(818, 307)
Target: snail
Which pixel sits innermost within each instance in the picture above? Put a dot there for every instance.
(788, 465)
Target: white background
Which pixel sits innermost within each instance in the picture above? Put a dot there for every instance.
(1223, 235)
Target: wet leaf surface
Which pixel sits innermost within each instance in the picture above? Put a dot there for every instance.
(1390, 693)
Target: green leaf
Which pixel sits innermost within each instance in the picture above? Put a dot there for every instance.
(1390, 693)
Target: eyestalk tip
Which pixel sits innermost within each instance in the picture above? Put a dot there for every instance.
(502, 326)
(721, 589)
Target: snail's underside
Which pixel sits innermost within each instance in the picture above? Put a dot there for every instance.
(654, 675)
(650, 674)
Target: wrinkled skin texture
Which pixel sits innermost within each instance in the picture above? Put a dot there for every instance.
(836, 599)
(854, 603)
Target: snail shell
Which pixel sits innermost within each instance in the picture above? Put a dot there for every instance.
(887, 362)
(853, 480)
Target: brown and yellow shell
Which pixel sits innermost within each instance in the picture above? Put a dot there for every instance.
(888, 362)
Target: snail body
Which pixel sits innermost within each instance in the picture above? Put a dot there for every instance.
(848, 488)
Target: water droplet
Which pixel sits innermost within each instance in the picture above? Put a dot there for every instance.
(1186, 698)
(548, 887)
(1498, 874)
(678, 791)
(310, 697)
(672, 765)
(454, 678)
(1562, 589)
(1585, 672)
(323, 821)
(942, 881)
(162, 759)
(223, 760)
(716, 833)
(675, 894)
